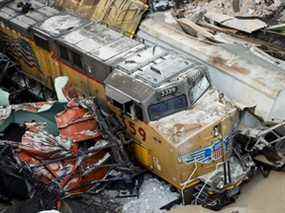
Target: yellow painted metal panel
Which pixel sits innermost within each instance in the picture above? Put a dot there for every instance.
(121, 15)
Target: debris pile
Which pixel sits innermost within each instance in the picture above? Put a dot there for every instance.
(248, 22)
(237, 8)
(62, 147)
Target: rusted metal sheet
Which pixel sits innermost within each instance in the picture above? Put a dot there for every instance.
(121, 15)
(77, 124)
(84, 8)
(194, 29)
(55, 158)
(42, 151)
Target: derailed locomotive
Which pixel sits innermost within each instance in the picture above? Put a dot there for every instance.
(183, 128)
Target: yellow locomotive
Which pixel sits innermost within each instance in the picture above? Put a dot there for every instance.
(182, 127)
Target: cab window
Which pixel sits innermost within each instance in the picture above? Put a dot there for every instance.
(73, 58)
(200, 87)
(170, 106)
(63, 52)
(41, 42)
(76, 59)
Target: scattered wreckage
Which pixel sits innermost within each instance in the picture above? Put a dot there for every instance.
(185, 126)
(56, 151)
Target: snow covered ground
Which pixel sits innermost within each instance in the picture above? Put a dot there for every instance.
(153, 194)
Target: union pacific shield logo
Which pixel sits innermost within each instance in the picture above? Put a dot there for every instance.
(218, 151)
(208, 154)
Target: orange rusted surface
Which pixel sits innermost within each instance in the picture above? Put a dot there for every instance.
(55, 160)
(222, 63)
(77, 124)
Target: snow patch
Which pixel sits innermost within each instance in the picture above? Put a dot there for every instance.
(153, 195)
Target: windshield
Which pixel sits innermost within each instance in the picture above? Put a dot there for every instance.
(170, 106)
(199, 89)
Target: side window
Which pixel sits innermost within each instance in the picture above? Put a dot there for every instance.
(130, 109)
(72, 57)
(76, 59)
(41, 42)
(199, 89)
(139, 112)
(167, 107)
(63, 52)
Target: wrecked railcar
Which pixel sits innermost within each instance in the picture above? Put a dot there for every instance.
(256, 78)
(183, 128)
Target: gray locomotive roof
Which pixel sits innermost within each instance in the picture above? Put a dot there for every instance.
(9, 11)
(60, 24)
(99, 41)
(152, 65)
(157, 66)
(142, 74)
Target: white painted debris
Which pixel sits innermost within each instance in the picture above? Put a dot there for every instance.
(49, 211)
(60, 23)
(4, 98)
(59, 84)
(153, 195)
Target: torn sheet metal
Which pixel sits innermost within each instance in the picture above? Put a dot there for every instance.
(77, 124)
(52, 160)
(245, 25)
(121, 15)
(56, 158)
(38, 107)
(194, 29)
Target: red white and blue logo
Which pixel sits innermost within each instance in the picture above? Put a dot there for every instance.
(208, 154)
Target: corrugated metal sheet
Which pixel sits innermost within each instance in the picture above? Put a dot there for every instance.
(121, 15)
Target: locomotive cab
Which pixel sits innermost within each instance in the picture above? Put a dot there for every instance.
(182, 126)
(153, 84)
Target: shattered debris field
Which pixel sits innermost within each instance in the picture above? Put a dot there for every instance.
(139, 106)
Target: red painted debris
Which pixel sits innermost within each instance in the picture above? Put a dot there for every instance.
(77, 124)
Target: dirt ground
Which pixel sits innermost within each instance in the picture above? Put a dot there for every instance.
(261, 195)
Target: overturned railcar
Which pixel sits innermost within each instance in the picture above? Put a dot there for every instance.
(182, 127)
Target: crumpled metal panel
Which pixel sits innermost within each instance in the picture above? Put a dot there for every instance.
(77, 124)
(121, 15)
(43, 151)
